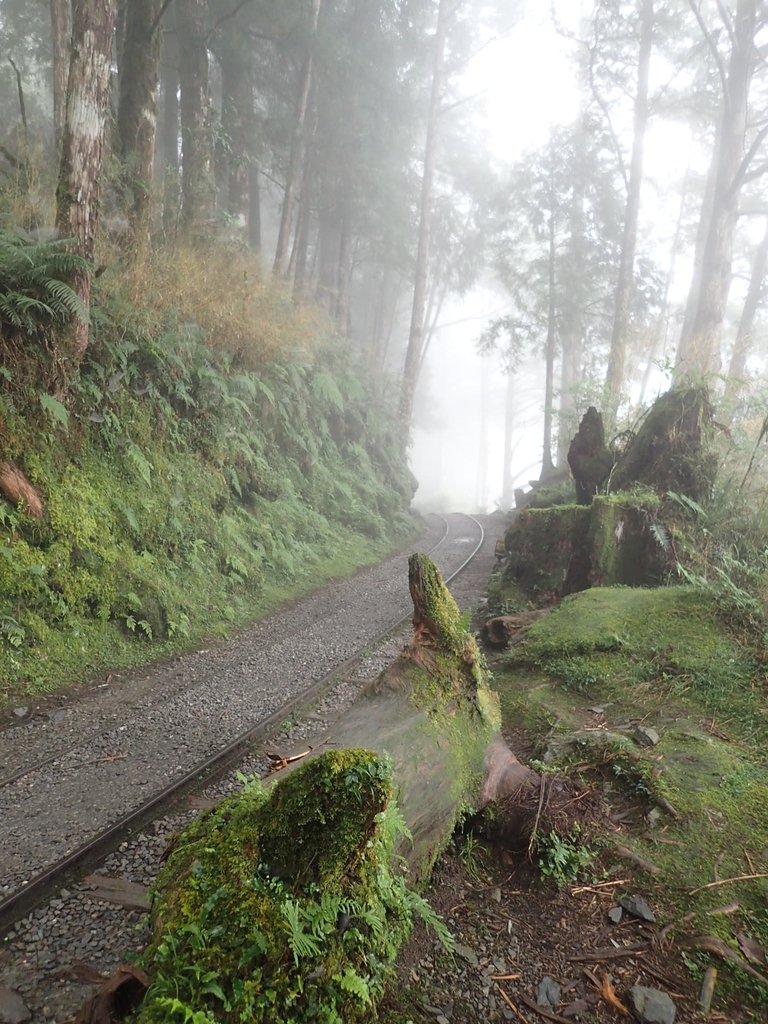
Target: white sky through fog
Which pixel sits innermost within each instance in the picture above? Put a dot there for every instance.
(526, 86)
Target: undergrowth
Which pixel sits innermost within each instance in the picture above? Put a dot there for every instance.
(190, 483)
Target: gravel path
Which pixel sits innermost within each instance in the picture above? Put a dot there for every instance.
(164, 718)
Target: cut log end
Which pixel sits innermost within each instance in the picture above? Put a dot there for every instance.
(16, 489)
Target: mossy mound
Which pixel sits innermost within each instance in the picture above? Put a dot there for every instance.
(664, 642)
(695, 803)
(285, 906)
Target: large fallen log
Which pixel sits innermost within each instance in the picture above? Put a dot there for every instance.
(290, 904)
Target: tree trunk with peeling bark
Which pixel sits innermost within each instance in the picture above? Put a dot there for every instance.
(137, 113)
(82, 152)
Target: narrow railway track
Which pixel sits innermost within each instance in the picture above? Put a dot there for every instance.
(28, 792)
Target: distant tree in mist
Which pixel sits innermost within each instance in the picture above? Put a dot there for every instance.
(730, 40)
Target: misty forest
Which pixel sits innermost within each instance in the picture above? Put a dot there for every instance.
(290, 290)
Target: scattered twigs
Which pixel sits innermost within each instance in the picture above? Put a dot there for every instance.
(707, 989)
(510, 1004)
(711, 944)
(506, 977)
(278, 762)
(534, 830)
(725, 881)
(634, 858)
(600, 885)
(610, 953)
(542, 1012)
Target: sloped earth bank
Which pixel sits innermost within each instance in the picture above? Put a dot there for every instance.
(649, 701)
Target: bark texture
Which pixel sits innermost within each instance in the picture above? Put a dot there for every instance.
(137, 112)
(197, 185)
(61, 33)
(78, 193)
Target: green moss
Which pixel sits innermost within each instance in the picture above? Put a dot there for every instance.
(663, 657)
(284, 907)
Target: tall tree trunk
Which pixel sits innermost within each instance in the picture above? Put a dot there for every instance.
(699, 353)
(82, 150)
(137, 112)
(614, 381)
(254, 205)
(661, 327)
(572, 349)
(170, 133)
(507, 481)
(547, 465)
(743, 343)
(298, 148)
(61, 32)
(197, 187)
(236, 123)
(416, 333)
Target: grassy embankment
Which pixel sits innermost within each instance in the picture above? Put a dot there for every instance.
(219, 452)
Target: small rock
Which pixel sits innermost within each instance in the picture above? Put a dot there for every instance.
(653, 817)
(548, 993)
(467, 954)
(13, 1009)
(638, 907)
(615, 915)
(645, 736)
(20, 712)
(652, 1006)
(496, 894)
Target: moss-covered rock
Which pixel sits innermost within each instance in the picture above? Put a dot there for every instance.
(285, 906)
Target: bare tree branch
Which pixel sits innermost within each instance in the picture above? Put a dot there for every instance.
(712, 46)
(727, 20)
(22, 105)
(739, 177)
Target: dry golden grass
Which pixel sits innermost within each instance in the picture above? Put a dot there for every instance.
(224, 291)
